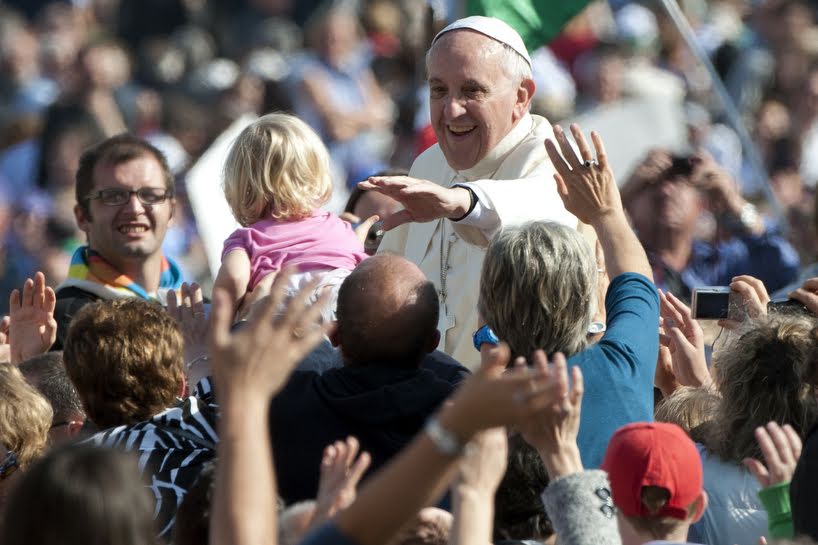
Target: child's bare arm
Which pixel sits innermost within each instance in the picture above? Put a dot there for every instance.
(234, 276)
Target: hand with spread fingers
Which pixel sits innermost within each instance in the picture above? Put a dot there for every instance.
(32, 327)
(684, 338)
(257, 360)
(341, 470)
(553, 429)
(422, 200)
(495, 396)
(586, 184)
(781, 448)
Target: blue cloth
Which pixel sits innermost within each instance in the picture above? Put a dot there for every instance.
(734, 511)
(768, 257)
(618, 370)
(327, 534)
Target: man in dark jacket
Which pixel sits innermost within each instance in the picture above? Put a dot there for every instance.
(387, 324)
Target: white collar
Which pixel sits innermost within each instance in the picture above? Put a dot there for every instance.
(489, 164)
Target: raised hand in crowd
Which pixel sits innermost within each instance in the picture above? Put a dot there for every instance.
(781, 447)
(684, 339)
(481, 472)
(341, 470)
(249, 367)
(553, 432)
(807, 295)
(754, 299)
(32, 328)
(589, 191)
(188, 311)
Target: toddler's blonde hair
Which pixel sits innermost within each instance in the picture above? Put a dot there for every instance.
(277, 168)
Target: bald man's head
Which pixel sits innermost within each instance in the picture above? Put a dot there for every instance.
(387, 313)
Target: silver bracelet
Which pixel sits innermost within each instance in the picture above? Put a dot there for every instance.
(445, 441)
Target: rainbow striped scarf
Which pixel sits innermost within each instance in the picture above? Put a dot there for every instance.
(90, 272)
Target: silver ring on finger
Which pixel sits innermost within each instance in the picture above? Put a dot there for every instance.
(590, 163)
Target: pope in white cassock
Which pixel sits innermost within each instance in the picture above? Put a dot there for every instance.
(488, 170)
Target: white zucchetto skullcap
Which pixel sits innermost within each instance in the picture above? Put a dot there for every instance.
(492, 27)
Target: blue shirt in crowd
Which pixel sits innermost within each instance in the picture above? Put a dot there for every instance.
(618, 370)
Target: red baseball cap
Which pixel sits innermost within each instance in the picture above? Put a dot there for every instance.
(653, 454)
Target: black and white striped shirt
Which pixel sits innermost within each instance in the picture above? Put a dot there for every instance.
(172, 447)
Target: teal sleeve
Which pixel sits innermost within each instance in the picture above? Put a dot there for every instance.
(776, 501)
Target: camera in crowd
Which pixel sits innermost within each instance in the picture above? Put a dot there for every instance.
(721, 303)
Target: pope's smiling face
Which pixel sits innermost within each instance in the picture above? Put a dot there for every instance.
(473, 101)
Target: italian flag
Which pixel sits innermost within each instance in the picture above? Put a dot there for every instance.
(537, 21)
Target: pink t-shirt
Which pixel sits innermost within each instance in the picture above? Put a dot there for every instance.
(322, 242)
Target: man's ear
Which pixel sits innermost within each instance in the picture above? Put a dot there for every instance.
(433, 342)
(74, 427)
(525, 92)
(83, 220)
(700, 508)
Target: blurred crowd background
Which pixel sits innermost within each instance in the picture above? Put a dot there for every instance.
(179, 72)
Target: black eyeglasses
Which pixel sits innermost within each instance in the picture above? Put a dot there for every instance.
(8, 465)
(117, 196)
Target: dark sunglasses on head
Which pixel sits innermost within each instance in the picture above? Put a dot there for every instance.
(8, 464)
(117, 196)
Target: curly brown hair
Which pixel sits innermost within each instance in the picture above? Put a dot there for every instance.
(126, 359)
(765, 374)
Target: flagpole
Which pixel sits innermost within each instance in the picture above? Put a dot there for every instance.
(757, 166)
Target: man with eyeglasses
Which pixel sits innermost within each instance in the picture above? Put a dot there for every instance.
(125, 202)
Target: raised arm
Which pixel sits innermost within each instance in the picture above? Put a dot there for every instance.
(249, 367)
(589, 191)
(481, 471)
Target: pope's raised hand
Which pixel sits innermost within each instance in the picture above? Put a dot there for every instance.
(422, 200)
